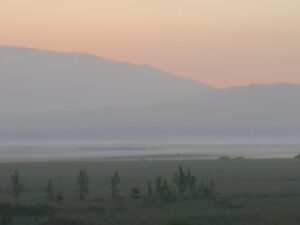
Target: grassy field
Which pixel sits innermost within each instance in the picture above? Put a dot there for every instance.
(257, 192)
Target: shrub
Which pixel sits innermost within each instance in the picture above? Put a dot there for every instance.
(207, 188)
(185, 181)
(83, 185)
(114, 185)
(149, 190)
(50, 190)
(17, 185)
(163, 190)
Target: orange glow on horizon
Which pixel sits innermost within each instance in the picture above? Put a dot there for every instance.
(222, 43)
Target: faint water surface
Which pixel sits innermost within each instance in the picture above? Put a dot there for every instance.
(140, 151)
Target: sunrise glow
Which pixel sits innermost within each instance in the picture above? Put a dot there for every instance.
(220, 42)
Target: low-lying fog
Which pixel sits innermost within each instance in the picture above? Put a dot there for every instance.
(85, 150)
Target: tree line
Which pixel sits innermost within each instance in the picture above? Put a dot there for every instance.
(182, 186)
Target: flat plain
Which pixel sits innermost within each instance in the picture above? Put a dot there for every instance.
(247, 191)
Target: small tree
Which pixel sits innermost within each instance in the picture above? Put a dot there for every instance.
(17, 186)
(163, 190)
(158, 185)
(149, 190)
(167, 194)
(148, 196)
(185, 182)
(50, 190)
(180, 180)
(83, 184)
(207, 188)
(114, 185)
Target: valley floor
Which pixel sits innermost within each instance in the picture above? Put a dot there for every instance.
(256, 191)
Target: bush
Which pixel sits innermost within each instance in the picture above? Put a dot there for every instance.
(163, 190)
(114, 185)
(83, 185)
(185, 181)
(207, 188)
(50, 190)
(17, 185)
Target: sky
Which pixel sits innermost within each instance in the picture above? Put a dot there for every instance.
(219, 42)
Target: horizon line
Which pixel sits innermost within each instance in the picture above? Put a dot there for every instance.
(100, 57)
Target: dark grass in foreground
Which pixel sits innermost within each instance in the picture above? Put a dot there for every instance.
(247, 192)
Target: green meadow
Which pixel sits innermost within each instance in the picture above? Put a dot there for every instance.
(259, 192)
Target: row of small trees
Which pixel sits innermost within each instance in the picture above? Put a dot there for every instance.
(17, 187)
(184, 185)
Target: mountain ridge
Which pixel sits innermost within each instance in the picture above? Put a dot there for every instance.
(153, 105)
(52, 81)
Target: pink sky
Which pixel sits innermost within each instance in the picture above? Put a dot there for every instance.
(219, 42)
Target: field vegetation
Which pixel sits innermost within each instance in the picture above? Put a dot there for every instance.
(192, 192)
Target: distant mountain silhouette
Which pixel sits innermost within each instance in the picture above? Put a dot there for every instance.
(40, 81)
(51, 96)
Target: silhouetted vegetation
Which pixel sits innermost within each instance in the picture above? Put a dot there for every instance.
(16, 184)
(185, 182)
(182, 186)
(114, 185)
(207, 188)
(83, 184)
(50, 190)
(160, 193)
(149, 196)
